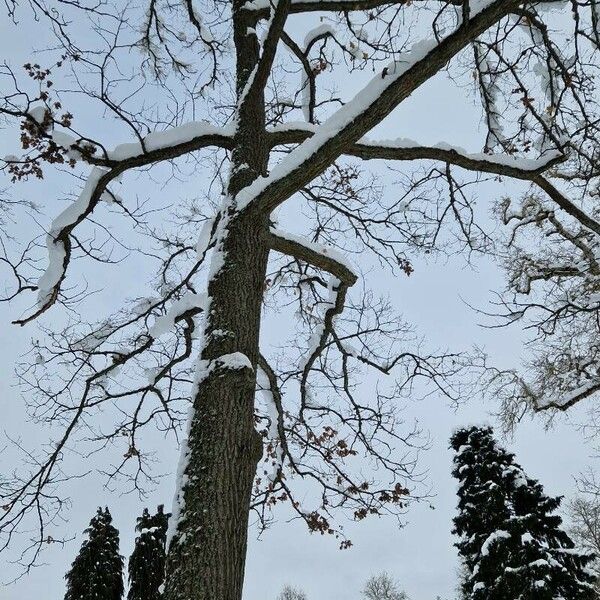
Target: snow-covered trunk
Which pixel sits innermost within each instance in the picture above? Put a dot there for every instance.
(207, 551)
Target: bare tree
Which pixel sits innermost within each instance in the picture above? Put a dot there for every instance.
(584, 514)
(383, 587)
(222, 266)
(291, 593)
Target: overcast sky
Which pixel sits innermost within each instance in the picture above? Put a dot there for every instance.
(434, 298)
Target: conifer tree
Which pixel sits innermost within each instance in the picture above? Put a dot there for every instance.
(97, 572)
(511, 542)
(147, 562)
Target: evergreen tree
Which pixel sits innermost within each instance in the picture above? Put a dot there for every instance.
(512, 544)
(147, 562)
(97, 572)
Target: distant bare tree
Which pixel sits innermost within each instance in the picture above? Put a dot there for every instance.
(291, 593)
(383, 587)
(584, 513)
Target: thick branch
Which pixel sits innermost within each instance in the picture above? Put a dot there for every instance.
(367, 109)
(262, 9)
(400, 150)
(566, 204)
(269, 49)
(523, 169)
(59, 237)
(317, 257)
(570, 400)
(166, 145)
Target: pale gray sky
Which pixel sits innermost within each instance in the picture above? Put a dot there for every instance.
(420, 555)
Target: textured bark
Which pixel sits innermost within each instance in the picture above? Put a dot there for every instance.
(207, 561)
(207, 555)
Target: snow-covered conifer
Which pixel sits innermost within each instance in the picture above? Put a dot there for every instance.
(97, 572)
(147, 562)
(511, 542)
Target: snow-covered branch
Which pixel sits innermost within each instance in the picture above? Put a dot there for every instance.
(262, 7)
(368, 108)
(154, 148)
(407, 149)
(162, 145)
(525, 169)
(317, 255)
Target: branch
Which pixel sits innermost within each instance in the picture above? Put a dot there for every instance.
(569, 400)
(163, 145)
(265, 63)
(154, 148)
(510, 166)
(367, 109)
(318, 256)
(308, 72)
(262, 9)
(504, 165)
(566, 204)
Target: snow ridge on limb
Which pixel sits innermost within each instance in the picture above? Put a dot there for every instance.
(262, 8)
(189, 303)
(502, 164)
(407, 149)
(156, 147)
(267, 379)
(572, 398)
(539, 401)
(342, 278)
(259, 77)
(525, 169)
(317, 255)
(58, 240)
(368, 108)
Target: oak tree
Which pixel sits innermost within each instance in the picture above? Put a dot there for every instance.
(237, 99)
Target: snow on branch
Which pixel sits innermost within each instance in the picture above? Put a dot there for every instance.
(189, 303)
(58, 240)
(368, 108)
(261, 73)
(569, 399)
(525, 169)
(317, 255)
(407, 149)
(153, 148)
(568, 206)
(519, 396)
(262, 7)
(276, 431)
(156, 146)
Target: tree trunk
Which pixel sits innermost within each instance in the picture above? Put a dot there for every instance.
(208, 551)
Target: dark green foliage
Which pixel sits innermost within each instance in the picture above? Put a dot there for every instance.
(97, 572)
(147, 562)
(511, 543)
